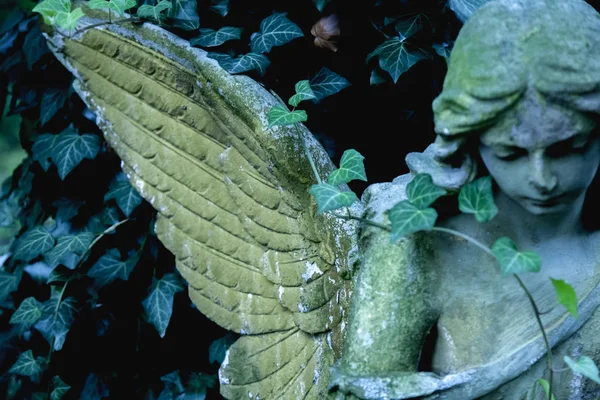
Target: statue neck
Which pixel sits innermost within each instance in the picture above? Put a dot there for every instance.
(531, 229)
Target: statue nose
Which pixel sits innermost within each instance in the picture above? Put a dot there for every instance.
(541, 177)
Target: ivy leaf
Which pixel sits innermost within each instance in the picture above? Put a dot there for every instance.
(127, 198)
(27, 365)
(173, 378)
(66, 208)
(279, 115)
(42, 149)
(111, 216)
(60, 388)
(376, 78)
(326, 83)
(221, 7)
(546, 386)
(406, 218)
(173, 386)
(159, 303)
(351, 168)
(49, 9)
(95, 224)
(197, 385)
(94, 388)
(584, 366)
(211, 38)
(513, 261)
(60, 274)
(71, 148)
(184, 15)
(118, 6)
(465, 8)
(66, 245)
(442, 50)
(34, 243)
(34, 46)
(566, 296)
(303, 92)
(110, 267)
(8, 213)
(396, 58)
(409, 26)
(69, 20)
(275, 30)
(199, 382)
(422, 192)
(477, 198)
(8, 284)
(154, 12)
(243, 63)
(218, 348)
(29, 311)
(329, 197)
(56, 321)
(320, 4)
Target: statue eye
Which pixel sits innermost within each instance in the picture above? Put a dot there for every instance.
(577, 144)
(510, 153)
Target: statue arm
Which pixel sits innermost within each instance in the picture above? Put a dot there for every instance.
(393, 308)
(391, 313)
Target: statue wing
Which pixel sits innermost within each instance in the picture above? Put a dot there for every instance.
(231, 197)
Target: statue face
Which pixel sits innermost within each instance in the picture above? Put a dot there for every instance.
(542, 156)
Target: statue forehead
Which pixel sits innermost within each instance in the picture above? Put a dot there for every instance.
(535, 122)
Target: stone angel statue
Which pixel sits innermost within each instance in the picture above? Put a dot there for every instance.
(328, 307)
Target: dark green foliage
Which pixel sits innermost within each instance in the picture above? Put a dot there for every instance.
(159, 303)
(72, 290)
(59, 388)
(107, 304)
(218, 348)
(27, 365)
(275, 30)
(326, 83)
(124, 194)
(184, 15)
(28, 312)
(242, 63)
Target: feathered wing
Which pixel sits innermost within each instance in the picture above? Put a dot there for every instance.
(232, 201)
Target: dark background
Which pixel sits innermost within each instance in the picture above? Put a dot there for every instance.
(382, 122)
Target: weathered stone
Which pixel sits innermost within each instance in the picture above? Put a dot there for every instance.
(522, 86)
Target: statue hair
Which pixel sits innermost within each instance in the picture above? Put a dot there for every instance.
(507, 48)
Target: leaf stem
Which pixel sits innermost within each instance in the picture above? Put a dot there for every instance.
(465, 237)
(54, 317)
(364, 221)
(525, 289)
(539, 321)
(309, 155)
(100, 236)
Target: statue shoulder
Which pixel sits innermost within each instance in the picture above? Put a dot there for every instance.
(380, 197)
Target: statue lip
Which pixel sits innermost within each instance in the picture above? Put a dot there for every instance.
(546, 201)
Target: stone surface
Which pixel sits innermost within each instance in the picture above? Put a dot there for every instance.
(523, 79)
(431, 317)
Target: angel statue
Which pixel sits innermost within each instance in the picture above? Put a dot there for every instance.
(331, 307)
